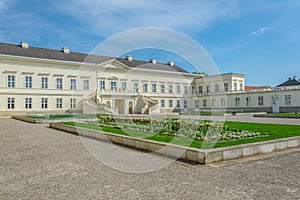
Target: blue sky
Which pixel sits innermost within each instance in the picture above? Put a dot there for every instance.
(258, 38)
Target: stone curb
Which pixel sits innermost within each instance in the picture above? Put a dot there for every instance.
(200, 156)
(34, 121)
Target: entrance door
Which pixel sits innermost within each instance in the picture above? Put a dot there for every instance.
(275, 104)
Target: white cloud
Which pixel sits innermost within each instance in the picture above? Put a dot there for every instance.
(260, 31)
(111, 17)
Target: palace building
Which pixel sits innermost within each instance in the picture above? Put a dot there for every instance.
(39, 80)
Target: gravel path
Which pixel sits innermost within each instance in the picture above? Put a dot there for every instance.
(41, 163)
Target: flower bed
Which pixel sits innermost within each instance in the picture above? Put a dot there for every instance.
(198, 130)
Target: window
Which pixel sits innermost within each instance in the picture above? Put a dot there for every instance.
(73, 84)
(237, 101)
(162, 103)
(145, 87)
(162, 88)
(204, 103)
(170, 88)
(28, 82)
(178, 104)
(185, 104)
(28, 103)
(59, 84)
(44, 103)
(208, 88)
(193, 89)
(153, 87)
(217, 88)
(197, 103)
(287, 100)
(185, 89)
(10, 103)
(73, 103)
(11, 81)
(260, 100)
(170, 103)
(213, 102)
(200, 89)
(241, 87)
(86, 85)
(59, 103)
(102, 85)
(136, 87)
(235, 86)
(248, 101)
(226, 87)
(223, 102)
(113, 85)
(44, 82)
(178, 89)
(123, 85)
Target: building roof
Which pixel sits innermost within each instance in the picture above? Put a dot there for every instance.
(247, 88)
(290, 82)
(52, 54)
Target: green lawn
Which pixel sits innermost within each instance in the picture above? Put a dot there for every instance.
(283, 115)
(274, 131)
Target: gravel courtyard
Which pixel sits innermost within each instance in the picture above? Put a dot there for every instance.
(41, 163)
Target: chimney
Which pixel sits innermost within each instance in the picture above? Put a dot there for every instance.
(129, 58)
(65, 50)
(24, 45)
(153, 61)
(171, 63)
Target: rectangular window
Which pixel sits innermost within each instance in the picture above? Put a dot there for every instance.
(59, 84)
(193, 89)
(260, 100)
(162, 103)
(235, 86)
(208, 88)
(10, 103)
(178, 89)
(287, 100)
(200, 89)
(248, 101)
(185, 104)
(72, 84)
(28, 103)
(226, 87)
(11, 81)
(170, 103)
(162, 88)
(223, 102)
(124, 85)
(44, 83)
(241, 87)
(154, 87)
(178, 104)
(170, 88)
(136, 87)
(145, 87)
(44, 104)
(237, 101)
(28, 82)
(59, 103)
(185, 89)
(86, 85)
(204, 103)
(113, 85)
(213, 102)
(217, 88)
(102, 85)
(73, 103)
(197, 103)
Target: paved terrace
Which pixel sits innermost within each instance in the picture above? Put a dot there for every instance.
(38, 163)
